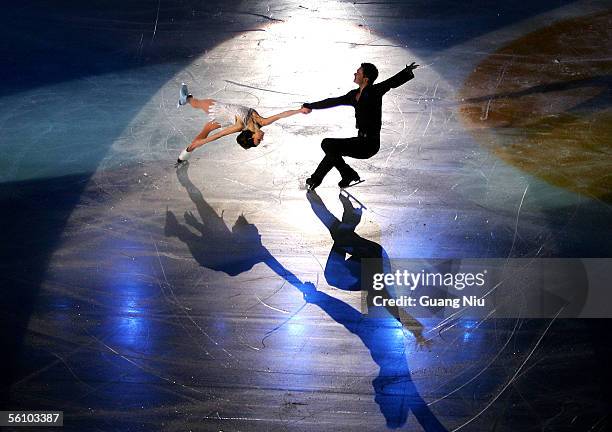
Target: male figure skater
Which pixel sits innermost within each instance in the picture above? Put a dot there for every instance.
(367, 101)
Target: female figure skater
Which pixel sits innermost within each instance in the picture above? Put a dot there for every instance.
(237, 118)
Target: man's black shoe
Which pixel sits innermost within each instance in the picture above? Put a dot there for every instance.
(312, 183)
(348, 179)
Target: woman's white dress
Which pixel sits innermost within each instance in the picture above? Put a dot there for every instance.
(226, 114)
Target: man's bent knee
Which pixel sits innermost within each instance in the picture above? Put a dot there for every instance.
(327, 145)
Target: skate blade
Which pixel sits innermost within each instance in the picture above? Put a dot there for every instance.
(353, 184)
(351, 196)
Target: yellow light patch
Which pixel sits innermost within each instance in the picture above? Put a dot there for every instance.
(541, 103)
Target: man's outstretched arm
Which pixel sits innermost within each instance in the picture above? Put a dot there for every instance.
(331, 102)
(398, 79)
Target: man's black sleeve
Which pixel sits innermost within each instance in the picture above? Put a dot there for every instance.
(331, 102)
(396, 80)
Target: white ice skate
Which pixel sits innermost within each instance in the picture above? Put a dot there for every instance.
(182, 159)
(183, 94)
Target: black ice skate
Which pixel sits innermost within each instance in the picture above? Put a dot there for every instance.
(350, 180)
(312, 183)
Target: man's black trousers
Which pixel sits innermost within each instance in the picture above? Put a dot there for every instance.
(359, 147)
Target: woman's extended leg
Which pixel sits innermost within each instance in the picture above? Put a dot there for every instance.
(198, 141)
(204, 138)
(203, 104)
(187, 98)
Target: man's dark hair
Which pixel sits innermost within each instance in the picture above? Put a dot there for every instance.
(245, 139)
(370, 72)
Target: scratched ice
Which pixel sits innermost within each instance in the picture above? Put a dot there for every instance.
(221, 296)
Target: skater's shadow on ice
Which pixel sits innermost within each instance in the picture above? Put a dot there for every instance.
(237, 250)
(217, 247)
(342, 272)
(381, 330)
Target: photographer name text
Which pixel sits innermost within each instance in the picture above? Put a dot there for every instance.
(426, 301)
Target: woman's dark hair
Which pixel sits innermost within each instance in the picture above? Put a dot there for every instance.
(370, 72)
(245, 139)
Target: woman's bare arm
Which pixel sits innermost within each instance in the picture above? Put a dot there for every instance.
(204, 138)
(265, 121)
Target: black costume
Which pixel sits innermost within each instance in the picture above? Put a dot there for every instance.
(368, 115)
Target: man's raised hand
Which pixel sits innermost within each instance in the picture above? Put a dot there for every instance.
(412, 66)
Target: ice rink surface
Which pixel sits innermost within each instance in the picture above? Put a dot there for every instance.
(221, 296)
